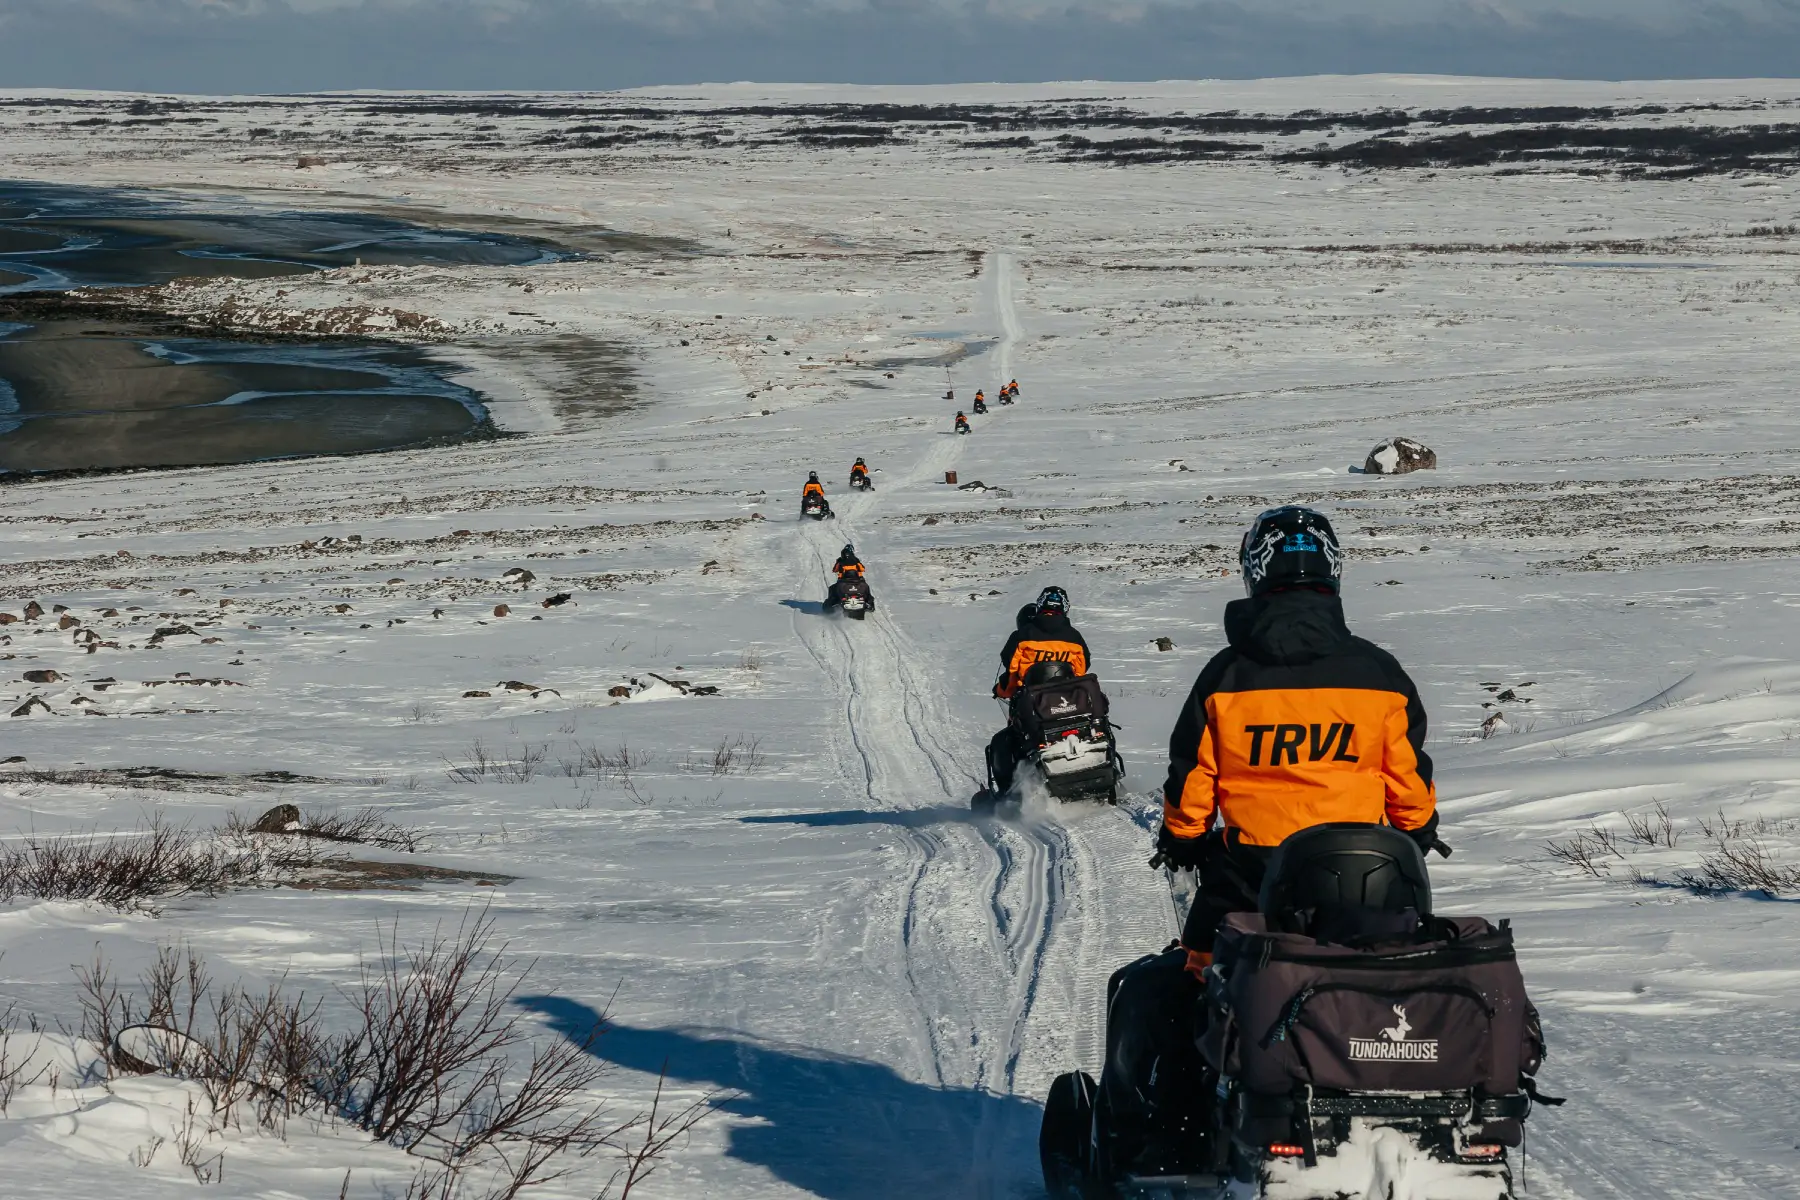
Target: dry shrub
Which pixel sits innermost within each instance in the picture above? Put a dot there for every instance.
(361, 826)
(132, 871)
(436, 1059)
(517, 765)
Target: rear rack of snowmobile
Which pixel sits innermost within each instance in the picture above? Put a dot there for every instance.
(1305, 1103)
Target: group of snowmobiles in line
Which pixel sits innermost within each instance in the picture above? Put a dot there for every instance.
(1317, 1028)
(813, 503)
(1008, 394)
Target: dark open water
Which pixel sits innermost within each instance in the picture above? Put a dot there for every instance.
(85, 394)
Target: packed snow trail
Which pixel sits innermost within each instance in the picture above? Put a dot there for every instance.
(1006, 930)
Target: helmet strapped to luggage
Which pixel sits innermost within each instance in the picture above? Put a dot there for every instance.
(1347, 868)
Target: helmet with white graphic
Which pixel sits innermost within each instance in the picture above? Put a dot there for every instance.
(1291, 546)
(1053, 602)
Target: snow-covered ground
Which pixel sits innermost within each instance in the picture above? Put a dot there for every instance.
(1603, 365)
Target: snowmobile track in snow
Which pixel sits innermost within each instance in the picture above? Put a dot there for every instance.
(1005, 930)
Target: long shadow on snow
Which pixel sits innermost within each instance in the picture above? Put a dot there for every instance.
(812, 607)
(840, 1128)
(911, 818)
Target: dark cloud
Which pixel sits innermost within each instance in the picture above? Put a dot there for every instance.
(305, 45)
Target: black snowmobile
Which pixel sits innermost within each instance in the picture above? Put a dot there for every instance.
(851, 593)
(980, 407)
(962, 423)
(1060, 733)
(816, 507)
(859, 478)
(1346, 1035)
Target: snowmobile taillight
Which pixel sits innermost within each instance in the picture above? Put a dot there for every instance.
(1483, 1150)
(1287, 1150)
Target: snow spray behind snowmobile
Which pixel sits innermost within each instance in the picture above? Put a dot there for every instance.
(1349, 1036)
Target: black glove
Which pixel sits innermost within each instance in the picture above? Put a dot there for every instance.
(1427, 837)
(1178, 853)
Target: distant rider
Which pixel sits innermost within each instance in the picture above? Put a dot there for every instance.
(813, 488)
(859, 475)
(962, 423)
(1296, 723)
(1042, 634)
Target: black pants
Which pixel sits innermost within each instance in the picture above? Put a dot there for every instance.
(1231, 875)
(1155, 1085)
(1004, 751)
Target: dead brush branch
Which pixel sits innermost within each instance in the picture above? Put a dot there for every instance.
(517, 765)
(1741, 866)
(428, 1065)
(734, 755)
(432, 1061)
(132, 871)
(360, 826)
(648, 1138)
(1590, 852)
(1654, 828)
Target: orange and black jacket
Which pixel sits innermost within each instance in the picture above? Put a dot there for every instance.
(846, 567)
(1297, 723)
(1044, 639)
(812, 489)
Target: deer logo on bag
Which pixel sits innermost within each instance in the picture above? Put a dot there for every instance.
(1393, 1046)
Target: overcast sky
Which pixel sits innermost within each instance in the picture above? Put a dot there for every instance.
(298, 45)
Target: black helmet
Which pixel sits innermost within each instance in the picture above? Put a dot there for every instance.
(1047, 670)
(849, 551)
(859, 461)
(1053, 602)
(1027, 615)
(812, 477)
(1288, 547)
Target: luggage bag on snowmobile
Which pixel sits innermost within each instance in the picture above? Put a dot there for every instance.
(1345, 1015)
(1352, 1034)
(1063, 723)
(856, 600)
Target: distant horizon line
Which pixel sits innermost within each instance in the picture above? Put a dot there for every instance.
(795, 84)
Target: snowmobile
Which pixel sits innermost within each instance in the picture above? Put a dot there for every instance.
(816, 507)
(980, 407)
(962, 423)
(851, 593)
(1349, 1036)
(1006, 397)
(1060, 723)
(859, 478)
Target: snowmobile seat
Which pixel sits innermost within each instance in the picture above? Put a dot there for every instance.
(1348, 876)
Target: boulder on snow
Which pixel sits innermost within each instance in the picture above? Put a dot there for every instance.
(45, 676)
(33, 611)
(283, 818)
(1399, 456)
